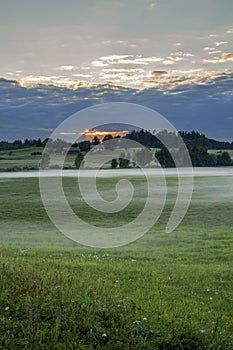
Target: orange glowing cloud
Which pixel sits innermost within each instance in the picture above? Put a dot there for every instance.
(90, 134)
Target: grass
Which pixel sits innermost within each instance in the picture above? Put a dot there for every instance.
(20, 159)
(164, 291)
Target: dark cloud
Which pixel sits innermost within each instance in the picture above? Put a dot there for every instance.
(159, 73)
(227, 56)
(34, 111)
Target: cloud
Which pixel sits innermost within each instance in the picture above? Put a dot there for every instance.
(122, 76)
(218, 75)
(176, 57)
(114, 57)
(182, 83)
(133, 46)
(152, 5)
(148, 59)
(229, 31)
(117, 77)
(159, 73)
(67, 133)
(168, 62)
(126, 60)
(172, 60)
(155, 83)
(99, 64)
(83, 75)
(137, 78)
(209, 48)
(123, 42)
(214, 60)
(182, 54)
(60, 81)
(220, 43)
(45, 129)
(66, 67)
(225, 57)
(214, 52)
(215, 36)
(123, 70)
(188, 71)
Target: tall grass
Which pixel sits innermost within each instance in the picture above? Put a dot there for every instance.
(161, 292)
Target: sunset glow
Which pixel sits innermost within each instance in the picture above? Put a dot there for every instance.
(90, 134)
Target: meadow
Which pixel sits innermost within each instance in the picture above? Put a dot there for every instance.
(163, 291)
(20, 159)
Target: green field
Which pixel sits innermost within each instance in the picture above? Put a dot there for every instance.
(164, 291)
(20, 159)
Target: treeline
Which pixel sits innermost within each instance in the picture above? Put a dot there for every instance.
(192, 139)
(196, 139)
(197, 145)
(144, 137)
(200, 157)
(17, 144)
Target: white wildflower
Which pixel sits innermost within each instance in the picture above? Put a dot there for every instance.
(136, 322)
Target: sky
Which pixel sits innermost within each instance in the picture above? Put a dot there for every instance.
(132, 43)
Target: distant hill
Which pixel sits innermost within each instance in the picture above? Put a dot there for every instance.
(196, 139)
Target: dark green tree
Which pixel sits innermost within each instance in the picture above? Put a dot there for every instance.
(123, 161)
(224, 159)
(164, 157)
(107, 137)
(84, 146)
(39, 143)
(114, 163)
(79, 160)
(95, 141)
(200, 156)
